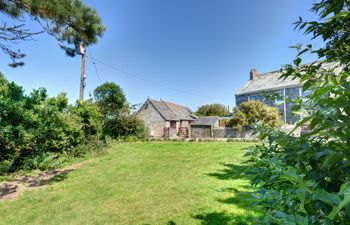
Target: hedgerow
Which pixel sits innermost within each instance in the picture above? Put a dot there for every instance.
(36, 129)
(41, 132)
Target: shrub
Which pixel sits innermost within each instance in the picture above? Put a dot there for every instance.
(252, 112)
(124, 125)
(40, 132)
(87, 114)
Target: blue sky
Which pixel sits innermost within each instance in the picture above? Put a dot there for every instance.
(197, 51)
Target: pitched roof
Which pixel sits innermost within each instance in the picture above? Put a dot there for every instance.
(206, 120)
(172, 111)
(271, 81)
(268, 81)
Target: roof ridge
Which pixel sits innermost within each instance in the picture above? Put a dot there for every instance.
(172, 111)
(150, 100)
(270, 73)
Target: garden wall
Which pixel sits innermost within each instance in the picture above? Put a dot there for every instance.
(222, 132)
(226, 132)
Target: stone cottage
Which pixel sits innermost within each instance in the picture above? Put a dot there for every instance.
(261, 87)
(164, 119)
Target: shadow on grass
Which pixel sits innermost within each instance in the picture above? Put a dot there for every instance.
(49, 177)
(10, 190)
(241, 199)
(231, 172)
(223, 218)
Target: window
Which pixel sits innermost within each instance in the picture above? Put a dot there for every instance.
(252, 97)
(278, 97)
(306, 93)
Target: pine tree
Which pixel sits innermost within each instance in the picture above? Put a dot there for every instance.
(71, 22)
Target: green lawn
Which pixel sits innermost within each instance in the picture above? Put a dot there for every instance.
(144, 183)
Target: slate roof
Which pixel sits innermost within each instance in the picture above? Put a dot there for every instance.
(272, 81)
(172, 111)
(207, 120)
(268, 81)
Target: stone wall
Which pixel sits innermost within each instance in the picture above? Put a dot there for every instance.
(226, 132)
(221, 132)
(154, 122)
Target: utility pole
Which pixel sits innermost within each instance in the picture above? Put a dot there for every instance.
(82, 51)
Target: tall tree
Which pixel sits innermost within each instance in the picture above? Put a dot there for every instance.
(212, 110)
(110, 98)
(119, 121)
(71, 22)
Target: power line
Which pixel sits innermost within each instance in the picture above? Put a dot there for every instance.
(155, 83)
(93, 62)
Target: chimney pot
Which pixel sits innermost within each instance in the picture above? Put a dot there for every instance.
(253, 74)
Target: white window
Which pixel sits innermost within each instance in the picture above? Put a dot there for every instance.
(252, 97)
(306, 93)
(279, 98)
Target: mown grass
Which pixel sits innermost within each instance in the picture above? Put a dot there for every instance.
(145, 183)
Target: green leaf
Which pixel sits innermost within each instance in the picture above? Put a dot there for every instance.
(344, 187)
(292, 172)
(301, 220)
(326, 197)
(342, 204)
(297, 61)
(300, 193)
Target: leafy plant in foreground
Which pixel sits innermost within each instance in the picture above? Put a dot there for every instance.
(306, 179)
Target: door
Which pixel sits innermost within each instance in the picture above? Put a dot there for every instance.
(172, 130)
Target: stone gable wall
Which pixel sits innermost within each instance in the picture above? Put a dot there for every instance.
(154, 122)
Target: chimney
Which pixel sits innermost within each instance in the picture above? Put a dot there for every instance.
(253, 74)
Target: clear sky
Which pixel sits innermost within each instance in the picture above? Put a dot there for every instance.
(191, 52)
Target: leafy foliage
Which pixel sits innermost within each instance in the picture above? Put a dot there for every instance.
(252, 112)
(212, 110)
(35, 127)
(110, 98)
(118, 119)
(124, 125)
(87, 113)
(71, 22)
(305, 180)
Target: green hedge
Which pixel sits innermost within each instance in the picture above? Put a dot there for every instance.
(36, 131)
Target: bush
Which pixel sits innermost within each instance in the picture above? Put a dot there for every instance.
(36, 131)
(252, 112)
(87, 114)
(124, 125)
